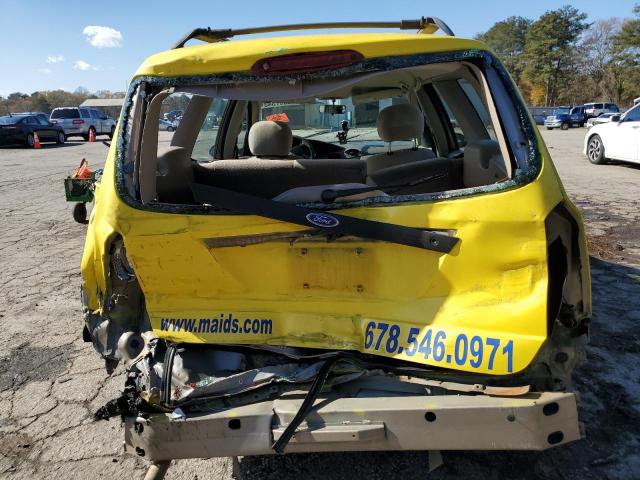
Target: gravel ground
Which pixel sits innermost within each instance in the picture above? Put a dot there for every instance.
(51, 381)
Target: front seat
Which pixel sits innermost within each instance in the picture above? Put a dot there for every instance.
(397, 123)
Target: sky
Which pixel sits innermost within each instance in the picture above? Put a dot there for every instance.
(48, 45)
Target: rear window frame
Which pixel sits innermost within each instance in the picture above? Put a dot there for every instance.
(525, 171)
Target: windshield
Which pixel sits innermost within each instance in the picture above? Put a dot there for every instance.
(339, 122)
(561, 111)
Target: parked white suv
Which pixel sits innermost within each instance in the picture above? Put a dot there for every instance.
(79, 121)
(596, 109)
(618, 139)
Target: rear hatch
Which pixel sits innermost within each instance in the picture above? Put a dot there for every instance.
(245, 279)
(481, 307)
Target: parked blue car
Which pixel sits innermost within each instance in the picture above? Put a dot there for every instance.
(565, 117)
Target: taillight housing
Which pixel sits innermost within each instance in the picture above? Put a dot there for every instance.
(306, 62)
(78, 122)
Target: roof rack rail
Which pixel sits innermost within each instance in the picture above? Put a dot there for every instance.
(426, 24)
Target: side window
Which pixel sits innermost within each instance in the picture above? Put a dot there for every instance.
(241, 141)
(199, 133)
(204, 148)
(466, 111)
(599, 106)
(95, 114)
(42, 121)
(478, 106)
(32, 121)
(85, 113)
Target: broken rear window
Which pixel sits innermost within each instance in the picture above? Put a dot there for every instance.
(409, 132)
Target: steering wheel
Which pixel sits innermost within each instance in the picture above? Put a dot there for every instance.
(304, 148)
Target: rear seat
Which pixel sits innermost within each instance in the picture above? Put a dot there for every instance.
(272, 171)
(270, 177)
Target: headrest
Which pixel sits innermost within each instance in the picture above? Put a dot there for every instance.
(400, 122)
(270, 139)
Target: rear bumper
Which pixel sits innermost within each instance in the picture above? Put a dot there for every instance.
(536, 421)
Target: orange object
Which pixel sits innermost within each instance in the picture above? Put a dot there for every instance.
(36, 140)
(92, 135)
(278, 117)
(83, 170)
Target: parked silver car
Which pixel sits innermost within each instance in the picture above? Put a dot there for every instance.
(604, 118)
(597, 109)
(80, 121)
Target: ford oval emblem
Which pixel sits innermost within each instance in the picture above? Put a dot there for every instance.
(322, 219)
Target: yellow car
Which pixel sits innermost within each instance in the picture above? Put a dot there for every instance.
(352, 241)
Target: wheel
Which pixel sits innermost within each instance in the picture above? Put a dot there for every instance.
(112, 132)
(581, 124)
(549, 128)
(80, 213)
(61, 138)
(170, 129)
(31, 141)
(564, 126)
(595, 150)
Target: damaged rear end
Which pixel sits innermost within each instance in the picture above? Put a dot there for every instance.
(360, 247)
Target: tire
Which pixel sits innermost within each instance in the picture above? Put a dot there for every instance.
(112, 132)
(582, 125)
(595, 150)
(564, 126)
(549, 128)
(80, 213)
(31, 140)
(61, 138)
(170, 129)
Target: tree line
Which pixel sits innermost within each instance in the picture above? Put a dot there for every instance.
(560, 58)
(46, 101)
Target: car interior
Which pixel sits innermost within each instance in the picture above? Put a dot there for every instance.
(411, 131)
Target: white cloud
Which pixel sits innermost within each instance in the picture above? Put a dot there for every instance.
(103, 37)
(82, 65)
(44, 70)
(55, 59)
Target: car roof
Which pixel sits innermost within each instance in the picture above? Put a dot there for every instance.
(240, 55)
